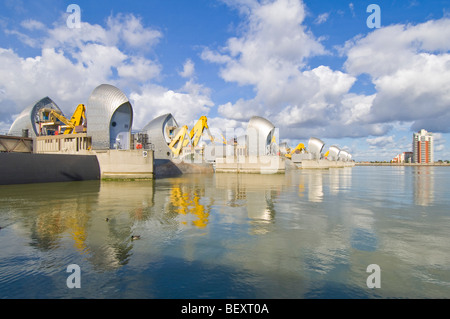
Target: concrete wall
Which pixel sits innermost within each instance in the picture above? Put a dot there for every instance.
(325, 164)
(64, 144)
(298, 158)
(133, 164)
(251, 164)
(172, 168)
(16, 144)
(24, 168)
(402, 164)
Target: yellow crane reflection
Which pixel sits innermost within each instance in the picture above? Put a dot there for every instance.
(188, 202)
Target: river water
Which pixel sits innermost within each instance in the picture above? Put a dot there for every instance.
(304, 234)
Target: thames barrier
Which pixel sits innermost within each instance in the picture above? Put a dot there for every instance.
(102, 129)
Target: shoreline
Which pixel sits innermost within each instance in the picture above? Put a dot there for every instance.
(401, 164)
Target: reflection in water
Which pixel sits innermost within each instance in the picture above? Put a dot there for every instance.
(338, 180)
(186, 200)
(363, 235)
(315, 186)
(52, 210)
(253, 192)
(334, 181)
(305, 234)
(97, 217)
(119, 206)
(424, 185)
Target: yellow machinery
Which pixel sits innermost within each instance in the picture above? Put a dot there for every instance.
(177, 143)
(197, 132)
(51, 118)
(224, 140)
(186, 202)
(78, 119)
(300, 147)
(181, 140)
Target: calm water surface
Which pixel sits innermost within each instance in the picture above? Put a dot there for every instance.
(306, 234)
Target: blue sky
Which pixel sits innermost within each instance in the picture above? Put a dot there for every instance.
(313, 68)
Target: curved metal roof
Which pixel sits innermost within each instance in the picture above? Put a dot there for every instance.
(344, 156)
(160, 133)
(315, 146)
(159, 126)
(105, 102)
(262, 125)
(27, 119)
(259, 135)
(106, 98)
(334, 153)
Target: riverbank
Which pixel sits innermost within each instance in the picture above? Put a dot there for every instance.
(400, 164)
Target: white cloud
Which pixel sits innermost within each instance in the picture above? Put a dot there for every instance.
(29, 79)
(188, 69)
(129, 29)
(322, 18)
(31, 24)
(139, 69)
(420, 91)
(410, 68)
(385, 147)
(381, 141)
(25, 38)
(275, 41)
(60, 36)
(356, 108)
(224, 123)
(214, 57)
(351, 6)
(316, 98)
(4, 128)
(388, 49)
(73, 62)
(186, 104)
(439, 142)
(241, 110)
(271, 56)
(54, 74)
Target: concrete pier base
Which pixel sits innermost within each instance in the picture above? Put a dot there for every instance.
(26, 168)
(323, 164)
(170, 168)
(16, 144)
(125, 164)
(251, 164)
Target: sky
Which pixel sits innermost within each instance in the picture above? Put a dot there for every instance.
(357, 76)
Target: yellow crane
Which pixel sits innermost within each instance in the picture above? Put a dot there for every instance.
(187, 202)
(300, 147)
(78, 119)
(183, 138)
(74, 125)
(224, 141)
(197, 132)
(177, 143)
